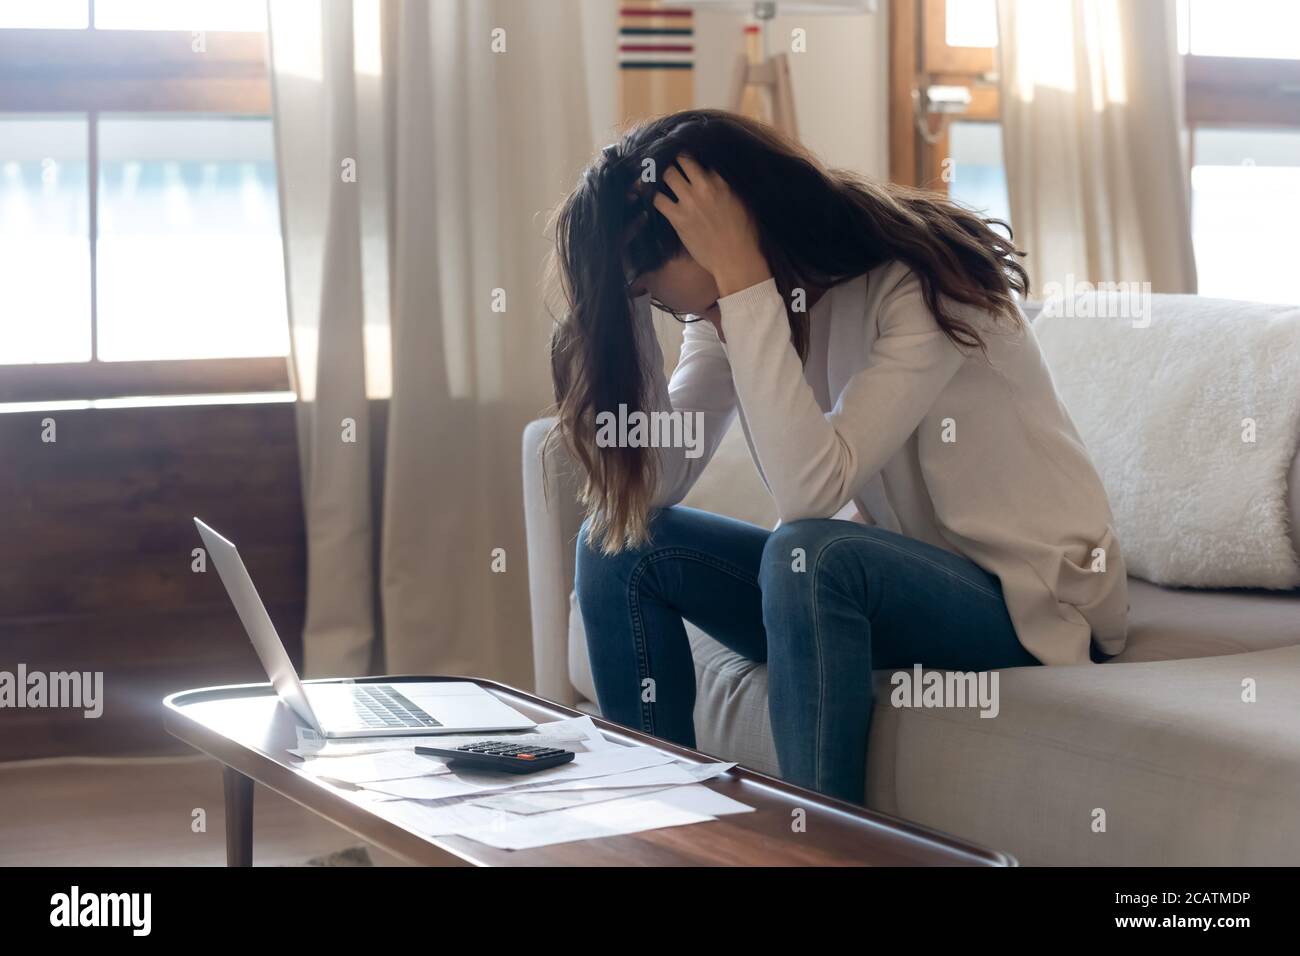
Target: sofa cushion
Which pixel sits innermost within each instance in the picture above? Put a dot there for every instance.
(1191, 416)
(1293, 495)
(1187, 772)
(731, 717)
(1178, 623)
(579, 662)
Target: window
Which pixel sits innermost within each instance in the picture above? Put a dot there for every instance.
(970, 23)
(1242, 68)
(1243, 112)
(1245, 203)
(960, 37)
(139, 224)
(943, 71)
(47, 14)
(44, 253)
(189, 257)
(183, 15)
(977, 178)
(1240, 28)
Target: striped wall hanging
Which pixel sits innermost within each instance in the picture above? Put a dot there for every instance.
(656, 59)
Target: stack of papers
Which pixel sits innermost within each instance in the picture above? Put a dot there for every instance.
(607, 789)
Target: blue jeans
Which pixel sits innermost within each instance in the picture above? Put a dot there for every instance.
(822, 602)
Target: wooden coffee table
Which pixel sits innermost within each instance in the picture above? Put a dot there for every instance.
(250, 736)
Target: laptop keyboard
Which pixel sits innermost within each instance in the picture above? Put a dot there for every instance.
(379, 706)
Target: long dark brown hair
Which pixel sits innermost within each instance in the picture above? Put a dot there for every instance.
(816, 226)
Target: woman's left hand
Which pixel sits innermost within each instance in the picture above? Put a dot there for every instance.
(714, 225)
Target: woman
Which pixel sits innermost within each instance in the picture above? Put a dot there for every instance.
(870, 339)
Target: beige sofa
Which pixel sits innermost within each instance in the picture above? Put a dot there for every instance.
(1150, 759)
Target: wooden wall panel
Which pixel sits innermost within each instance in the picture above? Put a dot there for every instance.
(95, 559)
(904, 65)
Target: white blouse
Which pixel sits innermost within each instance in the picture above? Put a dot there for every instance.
(972, 453)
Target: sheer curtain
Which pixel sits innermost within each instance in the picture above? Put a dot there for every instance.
(420, 145)
(1092, 115)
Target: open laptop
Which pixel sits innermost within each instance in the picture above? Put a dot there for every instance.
(348, 709)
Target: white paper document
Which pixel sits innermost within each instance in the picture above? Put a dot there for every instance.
(544, 801)
(369, 767)
(674, 807)
(606, 790)
(526, 798)
(434, 819)
(670, 774)
(602, 763)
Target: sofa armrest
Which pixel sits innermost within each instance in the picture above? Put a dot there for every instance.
(552, 519)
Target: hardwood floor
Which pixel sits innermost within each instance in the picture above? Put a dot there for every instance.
(140, 812)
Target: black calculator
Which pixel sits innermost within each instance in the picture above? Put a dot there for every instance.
(499, 755)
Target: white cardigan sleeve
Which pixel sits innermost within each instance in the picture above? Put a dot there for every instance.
(701, 387)
(815, 462)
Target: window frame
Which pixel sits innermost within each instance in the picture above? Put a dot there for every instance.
(1241, 91)
(939, 57)
(91, 71)
(919, 41)
(1218, 91)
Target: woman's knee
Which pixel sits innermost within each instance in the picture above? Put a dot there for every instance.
(795, 548)
(790, 562)
(804, 558)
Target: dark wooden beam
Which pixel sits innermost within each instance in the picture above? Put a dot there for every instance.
(62, 70)
(903, 68)
(90, 380)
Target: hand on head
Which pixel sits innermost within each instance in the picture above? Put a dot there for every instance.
(716, 228)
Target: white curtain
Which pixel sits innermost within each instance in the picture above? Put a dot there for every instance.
(1092, 116)
(420, 145)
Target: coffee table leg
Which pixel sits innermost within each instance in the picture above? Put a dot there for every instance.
(239, 817)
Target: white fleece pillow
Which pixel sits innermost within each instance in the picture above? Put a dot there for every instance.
(1169, 411)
